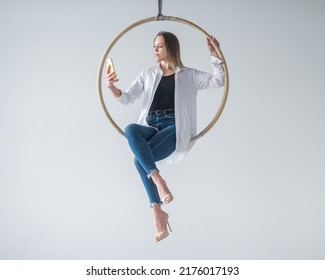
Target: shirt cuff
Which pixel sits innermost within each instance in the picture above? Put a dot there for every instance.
(216, 60)
(122, 98)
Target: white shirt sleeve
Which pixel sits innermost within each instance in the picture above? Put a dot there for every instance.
(215, 79)
(133, 92)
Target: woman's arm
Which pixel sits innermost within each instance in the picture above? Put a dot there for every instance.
(132, 93)
(206, 80)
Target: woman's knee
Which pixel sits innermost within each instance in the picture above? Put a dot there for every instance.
(130, 129)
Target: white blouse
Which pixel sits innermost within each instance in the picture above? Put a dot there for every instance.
(187, 83)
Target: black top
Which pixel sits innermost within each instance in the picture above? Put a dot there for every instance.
(165, 94)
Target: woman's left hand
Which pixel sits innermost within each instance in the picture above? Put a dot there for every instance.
(211, 39)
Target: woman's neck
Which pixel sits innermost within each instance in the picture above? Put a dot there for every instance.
(166, 68)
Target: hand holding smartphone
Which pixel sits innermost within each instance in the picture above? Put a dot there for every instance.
(110, 67)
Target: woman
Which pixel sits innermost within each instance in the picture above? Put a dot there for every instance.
(168, 116)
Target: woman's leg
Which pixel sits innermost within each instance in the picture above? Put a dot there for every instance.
(157, 145)
(138, 137)
(161, 145)
(148, 184)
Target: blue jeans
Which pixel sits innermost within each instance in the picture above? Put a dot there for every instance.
(150, 144)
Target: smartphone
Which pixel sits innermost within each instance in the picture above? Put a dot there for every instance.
(109, 62)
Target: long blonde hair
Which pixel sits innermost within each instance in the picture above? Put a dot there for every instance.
(172, 48)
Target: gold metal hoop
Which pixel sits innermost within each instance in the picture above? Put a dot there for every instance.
(174, 19)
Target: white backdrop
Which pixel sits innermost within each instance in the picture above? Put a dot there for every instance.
(252, 188)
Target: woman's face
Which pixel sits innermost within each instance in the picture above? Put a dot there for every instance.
(159, 49)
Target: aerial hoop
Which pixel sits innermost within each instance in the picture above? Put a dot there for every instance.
(161, 17)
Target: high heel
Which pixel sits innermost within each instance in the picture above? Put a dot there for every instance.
(163, 234)
(158, 181)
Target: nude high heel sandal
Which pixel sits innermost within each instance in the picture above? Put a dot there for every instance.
(163, 234)
(168, 197)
